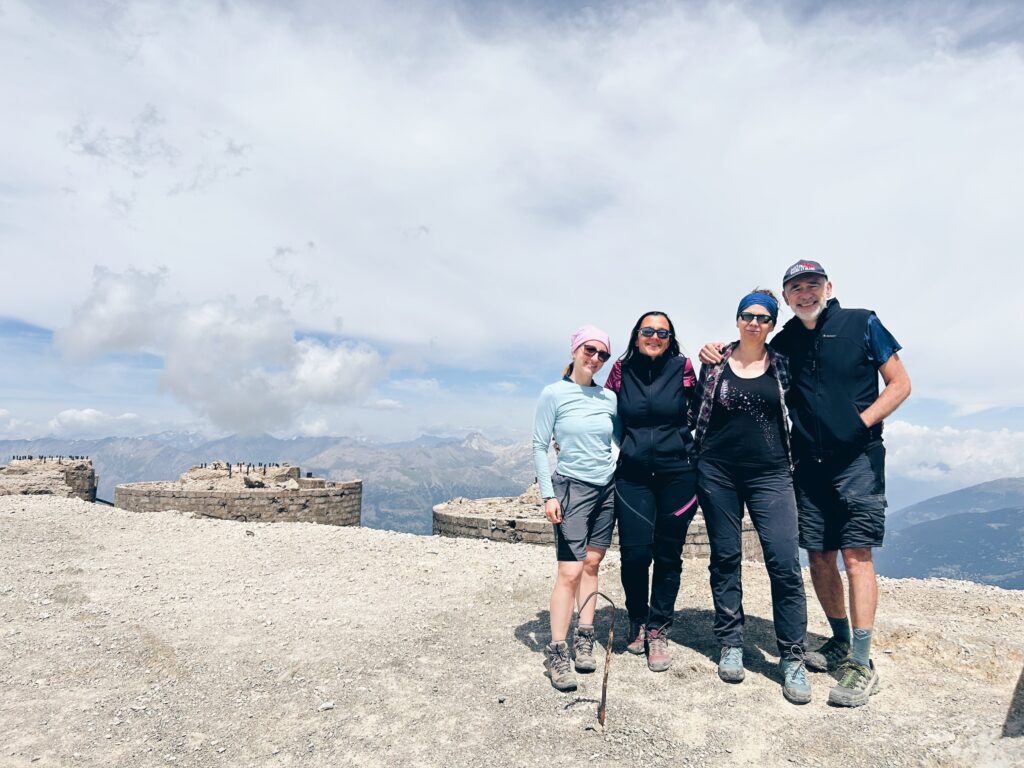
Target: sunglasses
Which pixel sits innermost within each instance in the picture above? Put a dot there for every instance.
(661, 333)
(590, 351)
(746, 317)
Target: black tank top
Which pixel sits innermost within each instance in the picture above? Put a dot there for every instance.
(744, 426)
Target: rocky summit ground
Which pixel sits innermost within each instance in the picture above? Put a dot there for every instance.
(131, 639)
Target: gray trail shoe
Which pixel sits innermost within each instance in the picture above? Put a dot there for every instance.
(829, 657)
(730, 664)
(637, 637)
(559, 666)
(856, 685)
(795, 685)
(583, 649)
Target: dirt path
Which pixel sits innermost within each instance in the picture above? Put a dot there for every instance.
(138, 640)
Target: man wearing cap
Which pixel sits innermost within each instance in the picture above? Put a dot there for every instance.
(836, 356)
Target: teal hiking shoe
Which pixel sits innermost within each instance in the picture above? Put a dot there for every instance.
(795, 685)
(829, 657)
(857, 684)
(730, 665)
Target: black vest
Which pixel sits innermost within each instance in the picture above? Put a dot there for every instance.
(832, 381)
(652, 405)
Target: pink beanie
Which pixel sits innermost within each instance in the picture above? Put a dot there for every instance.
(589, 333)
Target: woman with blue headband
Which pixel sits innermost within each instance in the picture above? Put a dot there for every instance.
(744, 458)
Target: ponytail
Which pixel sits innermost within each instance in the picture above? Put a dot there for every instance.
(567, 371)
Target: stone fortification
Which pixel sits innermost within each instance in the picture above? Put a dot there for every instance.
(521, 518)
(69, 477)
(248, 492)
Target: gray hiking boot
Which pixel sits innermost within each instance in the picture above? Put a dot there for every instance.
(795, 685)
(583, 649)
(829, 657)
(559, 666)
(637, 640)
(658, 659)
(730, 664)
(857, 684)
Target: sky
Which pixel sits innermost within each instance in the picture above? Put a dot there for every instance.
(386, 219)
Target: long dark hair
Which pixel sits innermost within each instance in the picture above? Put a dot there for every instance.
(631, 350)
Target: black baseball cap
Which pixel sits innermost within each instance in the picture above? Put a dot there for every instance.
(804, 267)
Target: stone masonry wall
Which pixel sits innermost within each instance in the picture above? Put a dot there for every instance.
(500, 521)
(314, 501)
(51, 475)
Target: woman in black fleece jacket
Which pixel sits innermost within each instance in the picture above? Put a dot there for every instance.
(655, 482)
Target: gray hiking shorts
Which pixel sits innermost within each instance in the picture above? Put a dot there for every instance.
(588, 515)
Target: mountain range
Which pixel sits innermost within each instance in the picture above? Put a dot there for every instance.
(401, 481)
(974, 533)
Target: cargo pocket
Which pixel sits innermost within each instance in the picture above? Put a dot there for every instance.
(865, 526)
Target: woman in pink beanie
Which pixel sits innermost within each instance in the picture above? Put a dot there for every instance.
(579, 497)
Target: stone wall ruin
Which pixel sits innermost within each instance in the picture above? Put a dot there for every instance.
(65, 476)
(248, 492)
(521, 519)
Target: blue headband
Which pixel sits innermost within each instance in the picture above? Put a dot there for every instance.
(764, 300)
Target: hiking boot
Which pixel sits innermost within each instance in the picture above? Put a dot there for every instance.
(583, 649)
(637, 637)
(730, 665)
(829, 657)
(559, 666)
(795, 685)
(856, 685)
(658, 659)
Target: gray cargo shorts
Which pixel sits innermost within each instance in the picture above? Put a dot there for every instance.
(588, 516)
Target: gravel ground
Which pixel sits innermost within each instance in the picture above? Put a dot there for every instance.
(151, 639)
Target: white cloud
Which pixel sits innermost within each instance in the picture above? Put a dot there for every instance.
(89, 422)
(385, 404)
(467, 188)
(958, 456)
(240, 366)
(507, 387)
(10, 426)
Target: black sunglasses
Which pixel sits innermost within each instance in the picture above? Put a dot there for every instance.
(590, 351)
(746, 317)
(661, 333)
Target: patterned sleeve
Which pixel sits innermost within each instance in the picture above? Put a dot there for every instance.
(690, 387)
(614, 377)
(694, 401)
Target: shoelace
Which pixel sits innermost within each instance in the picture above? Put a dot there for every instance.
(855, 675)
(732, 656)
(584, 644)
(560, 659)
(657, 640)
(797, 672)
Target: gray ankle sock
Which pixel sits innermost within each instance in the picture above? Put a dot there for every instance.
(840, 628)
(587, 629)
(860, 649)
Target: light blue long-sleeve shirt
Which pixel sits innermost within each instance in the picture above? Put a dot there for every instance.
(584, 423)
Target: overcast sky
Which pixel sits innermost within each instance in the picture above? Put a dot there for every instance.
(386, 219)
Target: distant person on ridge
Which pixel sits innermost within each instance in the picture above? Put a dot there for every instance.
(579, 498)
(744, 457)
(656, 480)
(836, 356)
